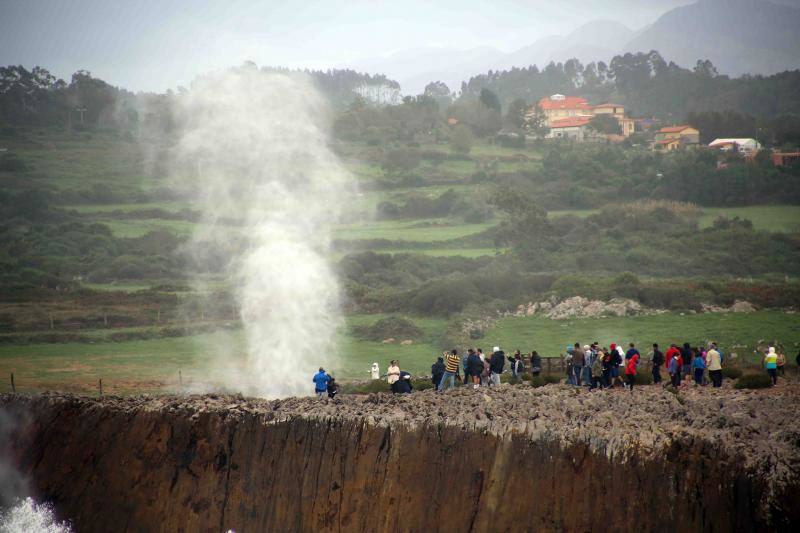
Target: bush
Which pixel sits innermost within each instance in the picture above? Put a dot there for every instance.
(754, 381)
(731, 372)
(544, 379)
(389, 327)
(644, 378)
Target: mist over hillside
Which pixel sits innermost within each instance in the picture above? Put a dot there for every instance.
(738, 36)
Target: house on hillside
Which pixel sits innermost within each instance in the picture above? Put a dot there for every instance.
(628, 125)
(558, 108)
(575, 128)
(675, 138)
(748, 147)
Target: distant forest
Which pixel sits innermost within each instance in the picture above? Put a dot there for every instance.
(766, 107)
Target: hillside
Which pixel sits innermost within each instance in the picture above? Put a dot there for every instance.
(738, 36)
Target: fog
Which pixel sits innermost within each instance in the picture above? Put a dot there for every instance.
(124, 43)
(254, 150)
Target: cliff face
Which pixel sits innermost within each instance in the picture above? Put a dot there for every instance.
(384, 464)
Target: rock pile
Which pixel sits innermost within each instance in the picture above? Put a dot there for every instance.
(580, 307)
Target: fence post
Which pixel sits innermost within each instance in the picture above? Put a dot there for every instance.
(101, 388)
(180, 380)
(13, 386)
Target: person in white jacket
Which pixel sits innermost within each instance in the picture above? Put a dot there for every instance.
(375, 372)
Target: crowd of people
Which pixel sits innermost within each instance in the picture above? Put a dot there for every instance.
(589, 365)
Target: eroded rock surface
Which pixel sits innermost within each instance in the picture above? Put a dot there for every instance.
(512, 459)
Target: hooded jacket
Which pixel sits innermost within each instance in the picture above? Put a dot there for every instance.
(630, 366)
(771, 359)
(497, 362)
(672, 352)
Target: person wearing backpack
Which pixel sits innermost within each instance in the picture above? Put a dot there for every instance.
(658, 360)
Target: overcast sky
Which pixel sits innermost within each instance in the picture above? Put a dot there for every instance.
(160, 44)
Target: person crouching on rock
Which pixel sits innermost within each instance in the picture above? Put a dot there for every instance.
(321, 380)
(402, 385)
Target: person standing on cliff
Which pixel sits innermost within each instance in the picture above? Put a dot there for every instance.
(630, 370)
(658, 360)
(451, 362)
(578, 362)
(770, 362)
(321, 380)
(437, 371)
(475, 367)
(393, 373)
(714, 365)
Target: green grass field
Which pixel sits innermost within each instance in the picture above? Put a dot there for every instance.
(153, 365)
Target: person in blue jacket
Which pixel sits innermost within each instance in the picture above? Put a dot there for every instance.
(321, 380)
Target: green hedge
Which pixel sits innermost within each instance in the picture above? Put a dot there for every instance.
(754, 381)
(731, 372)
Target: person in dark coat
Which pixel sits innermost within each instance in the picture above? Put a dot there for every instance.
(437, 371)
(333, 388)
(536, 363)
(496, 364)
(474, 368)
(687, 356)
(658, 360)
(402, 385)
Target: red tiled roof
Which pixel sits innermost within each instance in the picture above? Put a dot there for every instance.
(569, 102)
(570, 122)
(673, 129)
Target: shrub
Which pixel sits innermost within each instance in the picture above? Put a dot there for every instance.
(644, 378)
(544, 379)
(393, 326)
(444, 296)
(753, 381)
(731, 372)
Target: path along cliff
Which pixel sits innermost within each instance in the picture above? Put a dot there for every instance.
(508, 459)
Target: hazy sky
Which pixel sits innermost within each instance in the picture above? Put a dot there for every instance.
(160, 44)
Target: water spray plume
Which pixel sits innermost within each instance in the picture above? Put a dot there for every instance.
(255, 147)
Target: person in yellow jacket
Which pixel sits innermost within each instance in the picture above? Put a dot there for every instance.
(714, 365)
(770, 362)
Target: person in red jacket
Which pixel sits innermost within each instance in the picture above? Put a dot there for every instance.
(630, 370)
(672, 352)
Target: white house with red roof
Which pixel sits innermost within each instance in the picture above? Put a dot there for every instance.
(567, 116)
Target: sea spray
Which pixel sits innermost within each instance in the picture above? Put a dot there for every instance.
(254, 151)
(27, 516)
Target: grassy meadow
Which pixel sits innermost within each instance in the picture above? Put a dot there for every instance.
(123, 179)
(153, 365)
